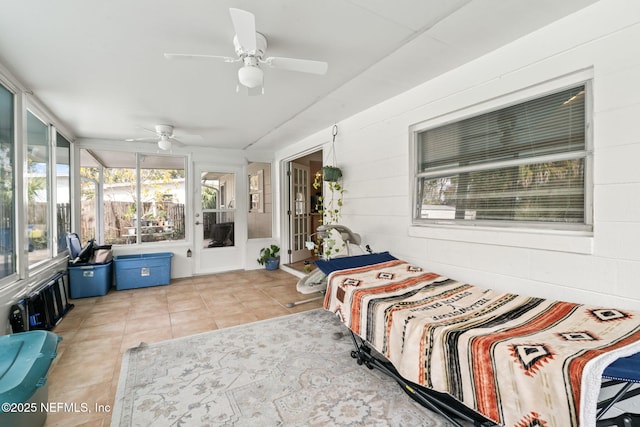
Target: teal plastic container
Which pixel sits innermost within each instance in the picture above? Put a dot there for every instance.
(25, 359)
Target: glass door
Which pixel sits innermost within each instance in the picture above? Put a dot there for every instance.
(219, 243)
(299, 212)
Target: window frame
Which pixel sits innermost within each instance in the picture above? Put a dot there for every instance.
(57, 134)
(24, 103)
(142, 185)
(50, 183)
(100, 228)
(16, 167)
(491, 105)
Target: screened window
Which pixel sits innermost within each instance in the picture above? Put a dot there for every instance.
(43, 202)
(89, 204)
(129, 198)
(63, 190)
(38, 226)
(523, 165)
(7, 186)
(162, 195)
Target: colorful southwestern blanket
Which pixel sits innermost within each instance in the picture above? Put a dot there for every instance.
(519, 361)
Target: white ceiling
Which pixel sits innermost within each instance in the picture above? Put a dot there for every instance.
(99, 64)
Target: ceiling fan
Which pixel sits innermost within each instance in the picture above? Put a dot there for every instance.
(164, 135)
(250, 47)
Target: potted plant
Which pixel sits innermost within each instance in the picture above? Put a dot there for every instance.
(270, 257)
(329, 205)
(331, 173)
(162, 217)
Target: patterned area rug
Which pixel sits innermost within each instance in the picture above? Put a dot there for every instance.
(289, 371)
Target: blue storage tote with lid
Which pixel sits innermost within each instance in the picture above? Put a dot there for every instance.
(87, 279)
(90, 280)
(142, 270)
(25, 359)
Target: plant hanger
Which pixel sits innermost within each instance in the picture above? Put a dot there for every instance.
(332, 172)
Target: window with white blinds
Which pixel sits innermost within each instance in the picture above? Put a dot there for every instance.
(523, 165)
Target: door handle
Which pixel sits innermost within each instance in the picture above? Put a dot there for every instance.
(197, 222)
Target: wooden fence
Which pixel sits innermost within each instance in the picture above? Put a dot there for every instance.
(119, 218)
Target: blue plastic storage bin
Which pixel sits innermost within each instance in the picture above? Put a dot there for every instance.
(142, 270)
(87, 279)
(25, 359)
(90, 280)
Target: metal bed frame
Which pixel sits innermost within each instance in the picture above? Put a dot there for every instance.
(440, 403)
(622, 371)
(625, 372)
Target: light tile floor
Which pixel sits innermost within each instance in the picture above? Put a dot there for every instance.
(97, 331)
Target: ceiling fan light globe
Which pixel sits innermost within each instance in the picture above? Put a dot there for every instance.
(250, 76)
(164, 144)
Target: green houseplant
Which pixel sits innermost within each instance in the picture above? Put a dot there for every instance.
(270, 257)
(329, 205)
(331, 173)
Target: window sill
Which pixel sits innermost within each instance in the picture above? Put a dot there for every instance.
(561, 241)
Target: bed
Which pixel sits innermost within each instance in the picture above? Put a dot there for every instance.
(513, 360)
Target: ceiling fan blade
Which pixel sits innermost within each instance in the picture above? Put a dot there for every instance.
(184, 139)
(140, 139)
(301, 65)
(198, 56)
(176, 142)
(245, 25)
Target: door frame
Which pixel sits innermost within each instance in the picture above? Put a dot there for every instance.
(285, 196)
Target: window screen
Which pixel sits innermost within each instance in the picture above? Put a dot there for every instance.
(8, 247)
(523, 164)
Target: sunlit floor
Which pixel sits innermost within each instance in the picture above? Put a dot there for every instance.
(304, 266)
(97, 331)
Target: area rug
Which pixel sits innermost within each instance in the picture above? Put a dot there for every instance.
(294, 370)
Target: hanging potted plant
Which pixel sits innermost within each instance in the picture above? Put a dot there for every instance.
(270, 257)
(332, 173)
(330, 207)
(329, 204)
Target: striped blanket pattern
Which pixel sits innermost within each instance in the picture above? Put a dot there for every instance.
(519, 361)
